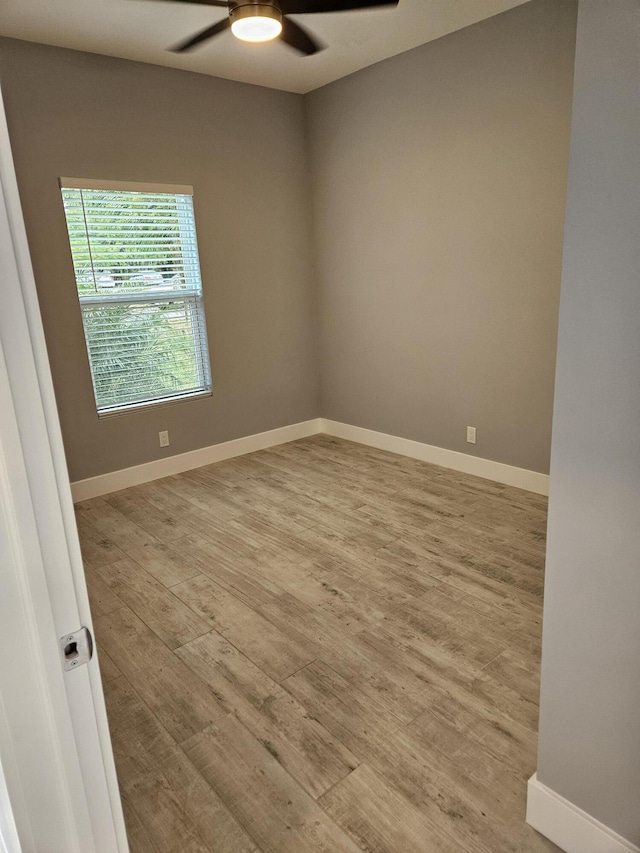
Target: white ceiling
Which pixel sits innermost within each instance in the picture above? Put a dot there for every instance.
(143, 29)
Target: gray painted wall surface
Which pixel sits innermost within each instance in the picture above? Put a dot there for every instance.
(242, 148)
(589, 745)
(440, 180)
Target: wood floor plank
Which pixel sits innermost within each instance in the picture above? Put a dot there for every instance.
(253, 494)
(161, 508)
(496, 593)
(167, 563)
(273, 808)
(449, 673)
(379, 742)
(381, 819)
(137, 836)
(533, 842)
(102, 599)
(175, 808)
(367, 676)
(161, 523)
(511, 703)
(236, 682)
(293, 514)
(457, 727)
(202, 494)
(229, 544)
(420, 622)
(299, 743)
(258, 532)
(309, 483)
(228, 473)
(514, 626)
(415, 550)
(166, 615)
(277, 652)
(219, 506)
(404, 513)
(391, 578)
(380, 673)
(108, 670)
(97, 548)
(351, 528)
(350, 603)
(485, 800)
(470, 533)
(403, 761)
(349, 538)
(448, 747)
(180, 700)
(515, 670)
(242, 575)
(438, 668)
(351, 715)
(512, 570)
(113, 525)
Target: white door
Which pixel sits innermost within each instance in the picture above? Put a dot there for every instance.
(58, 788)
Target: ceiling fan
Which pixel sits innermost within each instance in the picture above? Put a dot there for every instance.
(264, 20)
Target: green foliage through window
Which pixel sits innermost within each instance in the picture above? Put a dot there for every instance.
(137, 274)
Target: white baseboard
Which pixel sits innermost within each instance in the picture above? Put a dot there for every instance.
(521, 478)
(93, 487)
(572, 829)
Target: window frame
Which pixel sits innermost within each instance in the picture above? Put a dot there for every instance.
(191, 298)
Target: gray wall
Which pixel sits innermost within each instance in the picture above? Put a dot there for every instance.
(440, 180)
(589, 745)
(242, 148)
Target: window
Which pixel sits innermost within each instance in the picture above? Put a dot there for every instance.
(135, 257)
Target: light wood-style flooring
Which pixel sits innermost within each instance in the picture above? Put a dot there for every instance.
(320, 647)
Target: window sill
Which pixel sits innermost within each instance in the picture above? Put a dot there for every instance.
(116, 411)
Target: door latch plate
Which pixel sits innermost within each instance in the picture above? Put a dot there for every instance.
(76, 648)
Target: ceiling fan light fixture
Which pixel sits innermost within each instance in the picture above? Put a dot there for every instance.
(256, 22)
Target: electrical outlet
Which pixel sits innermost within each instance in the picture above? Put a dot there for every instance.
(164, 438)
(471, 435)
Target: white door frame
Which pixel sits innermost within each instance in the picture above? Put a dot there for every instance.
(55, 748)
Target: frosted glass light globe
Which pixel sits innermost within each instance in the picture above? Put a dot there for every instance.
(256, 23)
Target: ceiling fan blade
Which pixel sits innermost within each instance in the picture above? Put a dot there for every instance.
(298, 38)
(222, 3)
(203, 35)
(308, 7)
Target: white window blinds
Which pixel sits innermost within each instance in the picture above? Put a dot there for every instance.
(135, 257)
